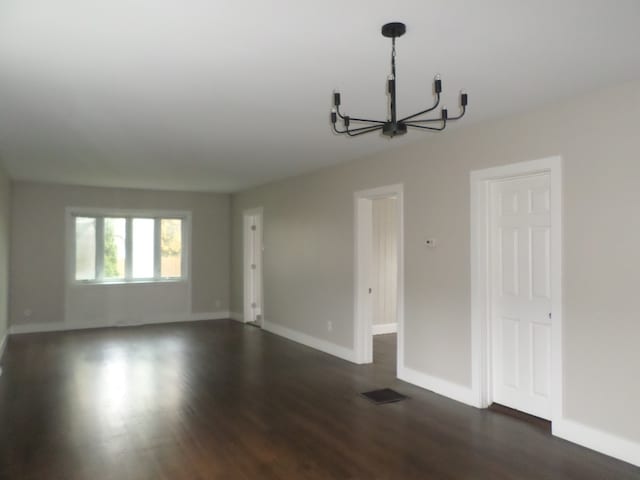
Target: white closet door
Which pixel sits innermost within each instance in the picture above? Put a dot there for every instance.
(521, 294)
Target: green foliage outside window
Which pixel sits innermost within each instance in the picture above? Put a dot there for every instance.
(171, 238)
(110, 252)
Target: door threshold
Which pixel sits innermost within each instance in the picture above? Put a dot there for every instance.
(540, 423)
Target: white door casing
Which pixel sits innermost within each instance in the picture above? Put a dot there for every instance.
(363, 246)
(520, 249)
(481, 278)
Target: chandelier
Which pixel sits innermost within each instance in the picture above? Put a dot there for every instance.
(393, 125)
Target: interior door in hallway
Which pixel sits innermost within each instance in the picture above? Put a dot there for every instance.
(253, 266)
(520, 240)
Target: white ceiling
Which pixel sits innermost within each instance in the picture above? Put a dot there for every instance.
(221, 95)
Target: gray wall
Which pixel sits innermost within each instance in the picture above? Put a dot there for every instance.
(308, 259)
(5, 210)
(38, 243)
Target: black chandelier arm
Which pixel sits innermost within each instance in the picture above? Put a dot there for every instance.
(333, 125)
(464, 110)
(356, 131)
(435, 105)
(435, 129)
(432, 120)
(366, 120)
(361, 131)
(355, 119)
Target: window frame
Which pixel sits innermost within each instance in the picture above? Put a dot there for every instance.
(128, 214)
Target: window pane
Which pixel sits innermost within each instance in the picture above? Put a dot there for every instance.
(142, 242)
(115, 231)
(170, 247)
(85, 248)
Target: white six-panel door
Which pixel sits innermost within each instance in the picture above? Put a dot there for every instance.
(253, 267)
(520, 239)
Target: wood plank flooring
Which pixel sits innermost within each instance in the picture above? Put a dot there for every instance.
(219, 400)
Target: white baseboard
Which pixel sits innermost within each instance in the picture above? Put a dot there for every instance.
(383, 328)
(195, 317)
(44, 327)
(313, 342)
(598, 440)
(63, 326)
(442, 387)
(238, 317)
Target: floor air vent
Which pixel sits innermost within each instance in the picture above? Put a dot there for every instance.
(385, 395)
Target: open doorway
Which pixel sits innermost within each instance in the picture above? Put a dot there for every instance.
(379, 285)
(384, 273)
(252, 233)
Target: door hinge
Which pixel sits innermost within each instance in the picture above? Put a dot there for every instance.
(253, 266)
(254, 228)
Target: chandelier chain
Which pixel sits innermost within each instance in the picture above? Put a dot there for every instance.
(393, 57)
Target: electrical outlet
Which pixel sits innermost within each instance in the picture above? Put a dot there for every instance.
(430, 242)
(330, 326)
(27, 312)
(218, 303)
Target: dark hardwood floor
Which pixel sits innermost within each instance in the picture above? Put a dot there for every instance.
(218, 400)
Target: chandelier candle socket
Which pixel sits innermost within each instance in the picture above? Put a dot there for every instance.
(394, 126)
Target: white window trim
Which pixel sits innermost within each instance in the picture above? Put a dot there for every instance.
(72, 212)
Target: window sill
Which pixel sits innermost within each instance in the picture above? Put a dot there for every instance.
(80, 283)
